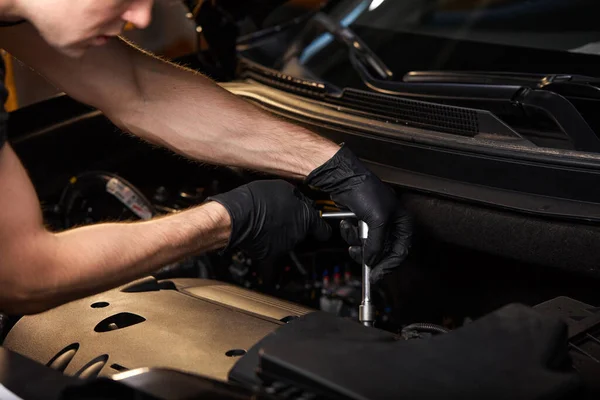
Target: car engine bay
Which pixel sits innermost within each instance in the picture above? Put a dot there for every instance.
(474, 309)
(218, 307)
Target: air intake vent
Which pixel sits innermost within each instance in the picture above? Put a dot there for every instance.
(289, 84)
(432, 116)
(118, 321)
(62, 359)
(93, 368)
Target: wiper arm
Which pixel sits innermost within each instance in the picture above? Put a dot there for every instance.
(357, 47)
(359, 51)
(564, 84)
(507, 78)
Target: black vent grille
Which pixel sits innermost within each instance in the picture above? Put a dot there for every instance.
(436, 117)
(382, 107)
(289, 84)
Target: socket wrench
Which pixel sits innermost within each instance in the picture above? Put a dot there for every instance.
(366, 311)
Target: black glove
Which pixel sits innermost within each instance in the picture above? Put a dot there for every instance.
(352, 186)
(269, 218)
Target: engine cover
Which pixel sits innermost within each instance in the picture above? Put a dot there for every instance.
(193, 325)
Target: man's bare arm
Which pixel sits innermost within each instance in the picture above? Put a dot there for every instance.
(177, 108)
(40, 269)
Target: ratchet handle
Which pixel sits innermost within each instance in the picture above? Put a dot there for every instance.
(337, 215)
(366, 311)
(363, 228)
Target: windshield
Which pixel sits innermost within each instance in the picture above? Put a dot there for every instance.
(566, 25)
(545, 36)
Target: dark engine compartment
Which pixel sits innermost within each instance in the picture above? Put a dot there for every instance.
(71, 152)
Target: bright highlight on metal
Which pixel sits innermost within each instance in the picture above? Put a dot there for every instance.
(375, 4)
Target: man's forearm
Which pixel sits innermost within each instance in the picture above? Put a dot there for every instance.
(91, 259)
(174, 107)
(190, 114)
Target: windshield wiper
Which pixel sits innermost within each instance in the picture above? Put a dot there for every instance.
(565, 84)
(358, 50)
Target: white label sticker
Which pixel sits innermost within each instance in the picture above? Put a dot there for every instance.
(128, 197)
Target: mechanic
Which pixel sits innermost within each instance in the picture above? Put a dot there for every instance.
(76, 46)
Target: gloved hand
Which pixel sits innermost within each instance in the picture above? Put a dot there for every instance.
(269, 218)
(352, 186)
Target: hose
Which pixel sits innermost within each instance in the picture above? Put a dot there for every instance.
(421, 327)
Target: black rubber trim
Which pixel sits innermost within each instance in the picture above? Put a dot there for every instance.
(509, 200)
